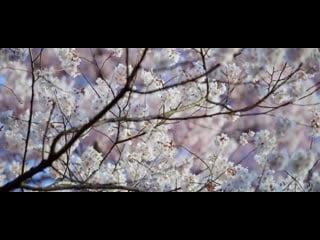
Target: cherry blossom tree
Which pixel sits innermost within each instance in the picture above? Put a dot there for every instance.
(159, 119)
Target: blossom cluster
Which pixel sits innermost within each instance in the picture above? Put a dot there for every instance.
(161, 119)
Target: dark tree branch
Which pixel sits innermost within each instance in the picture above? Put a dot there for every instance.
(82, 187)
(30, 112)
(53, 156)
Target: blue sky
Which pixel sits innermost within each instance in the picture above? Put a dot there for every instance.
(2, 80)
